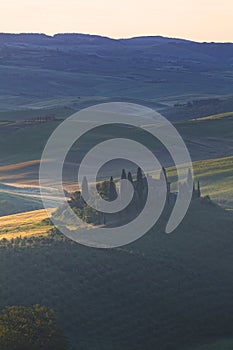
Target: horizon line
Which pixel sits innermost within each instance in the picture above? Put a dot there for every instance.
(116, 39)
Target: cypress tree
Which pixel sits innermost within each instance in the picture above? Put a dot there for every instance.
(161, 175)
(165, 173)
(194, 190)
(139, 174)
(189, 178)
(85, 191)
(123, 175)
(112, 190)
(130, 178)
(198, 189)
(122, 185)
(139, 183)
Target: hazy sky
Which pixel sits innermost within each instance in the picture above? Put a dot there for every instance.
(201, 20)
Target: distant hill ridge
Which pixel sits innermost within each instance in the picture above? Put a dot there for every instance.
(150, 39)
(79, 37)
(41, 66)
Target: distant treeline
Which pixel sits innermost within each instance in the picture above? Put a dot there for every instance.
(199, 108)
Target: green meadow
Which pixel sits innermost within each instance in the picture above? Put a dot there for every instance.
(99, 295)
(216, 179)
(209, 140)
(162, 291)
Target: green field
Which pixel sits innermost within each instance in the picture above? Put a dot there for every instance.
(216, 179)
(216, 176)
(16, 203)
(217, 116)
(204, 137)
(156, 293)
(163, 291)
(26, 224)
(209, 140)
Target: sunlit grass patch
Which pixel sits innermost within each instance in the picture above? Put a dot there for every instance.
(216, 179)
(24, 224)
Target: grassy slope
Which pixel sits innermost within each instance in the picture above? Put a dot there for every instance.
(212, 138)
(216, 178)
(206, 139)
(203, 106)
(24, 225)
(61, 107)
(14, 203)
(217, 116)
(162, 292)
(210, 142)
(21, 81)
(186, 276)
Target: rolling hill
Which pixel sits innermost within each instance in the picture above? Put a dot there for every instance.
(27, 224)
(12, 203)
(166, 292)
(216, 178)
(163, 292)
(209, 141)
(85, 65)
